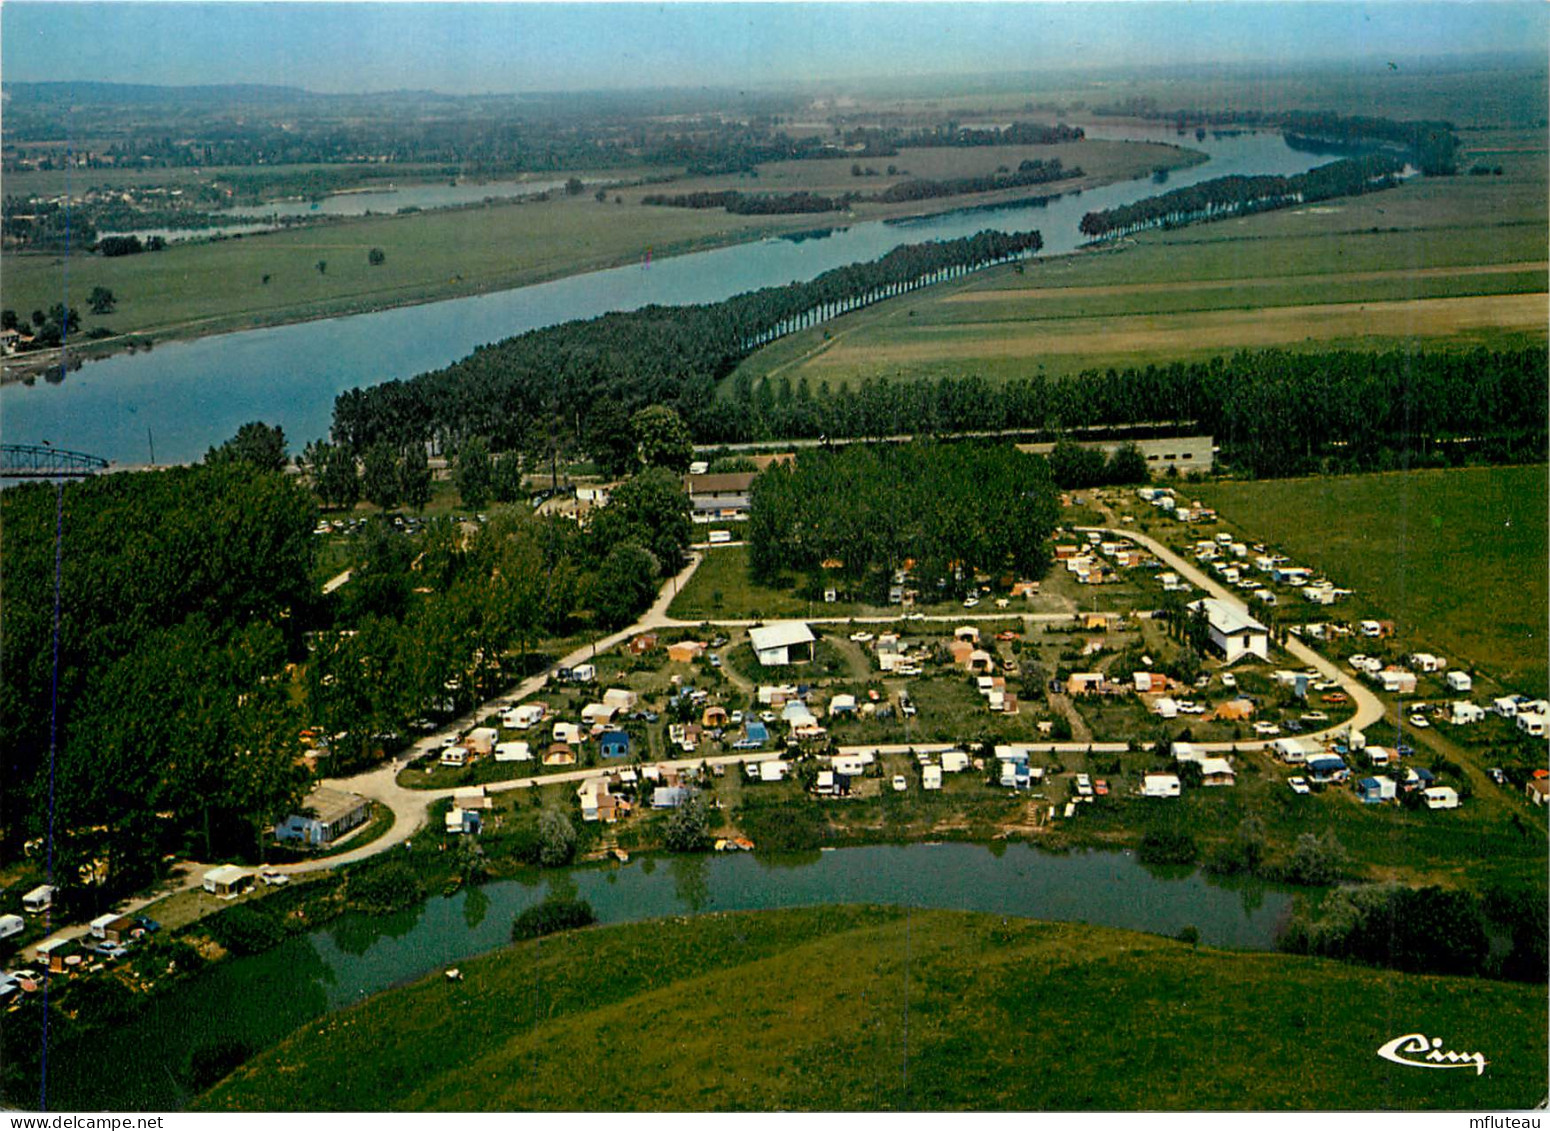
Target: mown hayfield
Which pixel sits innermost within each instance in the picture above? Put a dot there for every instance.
(1457, 557)
(864, 1008)
(1438, 263)
(1089, 342)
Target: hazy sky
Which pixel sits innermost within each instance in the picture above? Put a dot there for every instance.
(461, 48)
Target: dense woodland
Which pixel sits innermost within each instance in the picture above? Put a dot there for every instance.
(194, 646)
(564, 378)
(1237, 195)
(181, 598)
(954, 509)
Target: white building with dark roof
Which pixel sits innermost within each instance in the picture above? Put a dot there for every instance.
(1233, 632)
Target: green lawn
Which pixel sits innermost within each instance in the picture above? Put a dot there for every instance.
(862, 1008)
(1457, 557)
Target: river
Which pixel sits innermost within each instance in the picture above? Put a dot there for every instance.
(263, 998)
(183, 397)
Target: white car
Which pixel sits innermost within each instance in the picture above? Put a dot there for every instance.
(1229, 680)
(1298, 785)
(861, 637)
(970, 602)
(273, 878)
(1267, 729)
(1419, 722)
(899, 784)
(1191, 709)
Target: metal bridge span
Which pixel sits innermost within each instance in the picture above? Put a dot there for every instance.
(34, 461)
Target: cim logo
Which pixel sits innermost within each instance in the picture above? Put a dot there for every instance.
(1430, 1054)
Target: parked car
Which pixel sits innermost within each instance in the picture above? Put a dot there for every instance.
(970, 602)
(1101, 787)
(1419, 721)
(273, 878)
(109, 950)
(1229, 680)
(899, 784)
(861, 637)
(147, 924)
(1497, 776)
(1299, 785)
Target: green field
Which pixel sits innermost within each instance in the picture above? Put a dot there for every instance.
(1439, 262)
(860, 1008)
(204, 288)
(1458, 557)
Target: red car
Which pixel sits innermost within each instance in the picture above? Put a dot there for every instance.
(1101, 787)
(1007, 635)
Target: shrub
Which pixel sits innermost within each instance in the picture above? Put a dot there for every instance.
(384, 888)
(214, 1061)
(1168, 846)
(550, 916)
(246, 930)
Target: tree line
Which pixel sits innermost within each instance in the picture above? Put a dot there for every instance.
(747, 204)
(886, 141)
(1273, 412)
(1237, 195)
(1028, 172)
(571, 380)
(856, 514)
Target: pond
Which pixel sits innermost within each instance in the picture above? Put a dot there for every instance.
(263, 998)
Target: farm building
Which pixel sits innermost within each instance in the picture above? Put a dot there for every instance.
(1233, 633)
(325, 815)
(720, 495)
(787, 642)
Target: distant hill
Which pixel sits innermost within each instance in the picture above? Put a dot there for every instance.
(869, 1008)
(129, 94)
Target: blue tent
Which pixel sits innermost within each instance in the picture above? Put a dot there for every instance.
(614, 744)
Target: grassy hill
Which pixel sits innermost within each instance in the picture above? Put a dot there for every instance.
(872, 1008)
(1457, 557)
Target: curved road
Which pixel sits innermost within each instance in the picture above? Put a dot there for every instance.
(409, 805)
